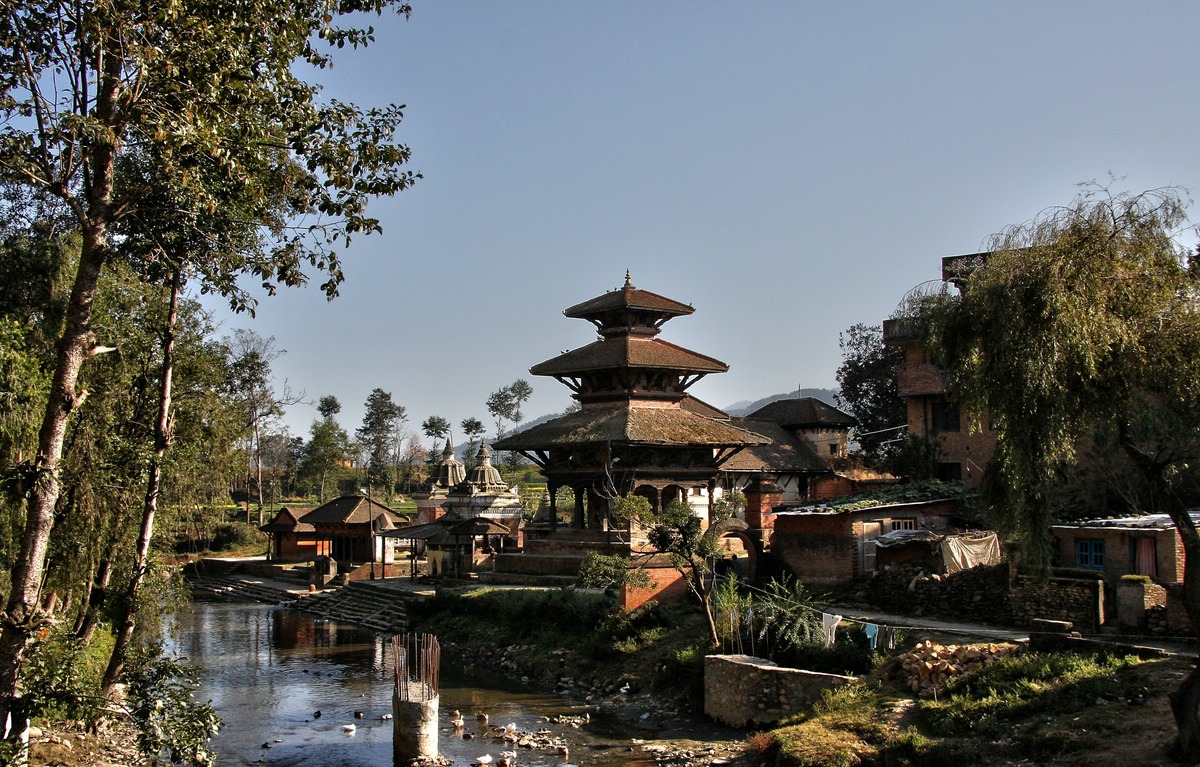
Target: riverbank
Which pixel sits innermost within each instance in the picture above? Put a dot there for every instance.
(70, 744)
(643, 671)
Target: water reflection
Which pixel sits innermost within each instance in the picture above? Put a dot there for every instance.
(268, 670)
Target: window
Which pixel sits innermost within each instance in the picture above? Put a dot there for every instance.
(1145, 557)
(833, 448)
(1089, 553)
(945, 417)
(949, 472)
(906, 523)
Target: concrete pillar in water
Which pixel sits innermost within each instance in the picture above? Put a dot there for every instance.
(414, 728)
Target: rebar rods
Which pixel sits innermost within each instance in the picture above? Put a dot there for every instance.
(417, 659)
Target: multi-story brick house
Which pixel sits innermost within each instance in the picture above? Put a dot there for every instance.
(966, 447)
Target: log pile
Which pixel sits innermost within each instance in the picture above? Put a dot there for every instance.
(929, 666)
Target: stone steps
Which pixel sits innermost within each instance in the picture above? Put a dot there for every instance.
(239, 588)
(380, 609)
(526, 579)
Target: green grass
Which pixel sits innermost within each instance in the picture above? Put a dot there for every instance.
(1021, 686)
(1039, 706)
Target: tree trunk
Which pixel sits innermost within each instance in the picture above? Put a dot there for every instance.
(74, 347)
(1185, 699)
(258, 467)
(95, 605)
(162, 440)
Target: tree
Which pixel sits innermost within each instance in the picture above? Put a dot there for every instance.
(678, 532)
(328, 445)
(328, 406)
(436, 428)
(380, 436)
(215, 101)
(505, 403)
(869, 388)
(473, 430)
(253, 356)
(1086, 319)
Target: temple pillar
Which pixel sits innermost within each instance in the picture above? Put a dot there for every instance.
(712, 493)
(552, 488)
(577, 520)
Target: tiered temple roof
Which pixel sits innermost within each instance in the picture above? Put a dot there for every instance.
(632, 389)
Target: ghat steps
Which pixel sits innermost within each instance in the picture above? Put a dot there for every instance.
(378, 608)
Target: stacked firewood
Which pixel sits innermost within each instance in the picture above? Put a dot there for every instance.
(931, 665)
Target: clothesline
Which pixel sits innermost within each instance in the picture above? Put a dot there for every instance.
(863, 622)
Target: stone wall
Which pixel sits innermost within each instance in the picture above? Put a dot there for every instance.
(743, 691)
(1177, 623)
(1077, 600)
(979, 594)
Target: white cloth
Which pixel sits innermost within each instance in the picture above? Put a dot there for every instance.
(830, 623)
(961, 552)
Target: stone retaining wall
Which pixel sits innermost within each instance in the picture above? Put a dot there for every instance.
(979, 594)
(989, 595)
(742, 690)
(1079, 601)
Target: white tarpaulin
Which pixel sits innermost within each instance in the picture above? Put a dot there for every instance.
(960, 553)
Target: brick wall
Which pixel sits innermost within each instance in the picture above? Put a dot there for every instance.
(1119, 547)
(815, 547)
(741, 690)
(919, 378)
(666, 585)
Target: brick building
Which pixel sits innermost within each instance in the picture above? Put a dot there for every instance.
(1141, 545)
(966, 447)
(825, 544)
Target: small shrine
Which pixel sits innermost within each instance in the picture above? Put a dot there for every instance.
(464, 517)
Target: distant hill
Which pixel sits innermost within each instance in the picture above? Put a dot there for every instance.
(746, 407)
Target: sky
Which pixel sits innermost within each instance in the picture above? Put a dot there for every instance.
(788, 168)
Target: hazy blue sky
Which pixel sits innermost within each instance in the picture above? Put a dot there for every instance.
(788, 168)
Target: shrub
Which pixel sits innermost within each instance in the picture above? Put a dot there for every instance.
(609, 571)
(168, 718)
(236, 535)
(62, 677)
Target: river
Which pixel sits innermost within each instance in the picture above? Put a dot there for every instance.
(267, 670)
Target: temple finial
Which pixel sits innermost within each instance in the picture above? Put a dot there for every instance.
(628, 282)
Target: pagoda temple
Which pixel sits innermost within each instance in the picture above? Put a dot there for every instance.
(636, 430)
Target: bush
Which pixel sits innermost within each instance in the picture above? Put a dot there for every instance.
(609, 571)
(62, 677)
(168, 718)
(236, 535)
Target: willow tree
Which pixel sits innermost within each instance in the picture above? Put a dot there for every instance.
(213, 93)
(1086, 319)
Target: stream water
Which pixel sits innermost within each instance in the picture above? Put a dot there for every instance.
(268, 670)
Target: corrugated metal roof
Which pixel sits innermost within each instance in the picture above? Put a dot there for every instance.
(822, 508)
(1140, 522)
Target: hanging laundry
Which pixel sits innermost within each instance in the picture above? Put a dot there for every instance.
(887, 637)
(829, 623)
(872, 632)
